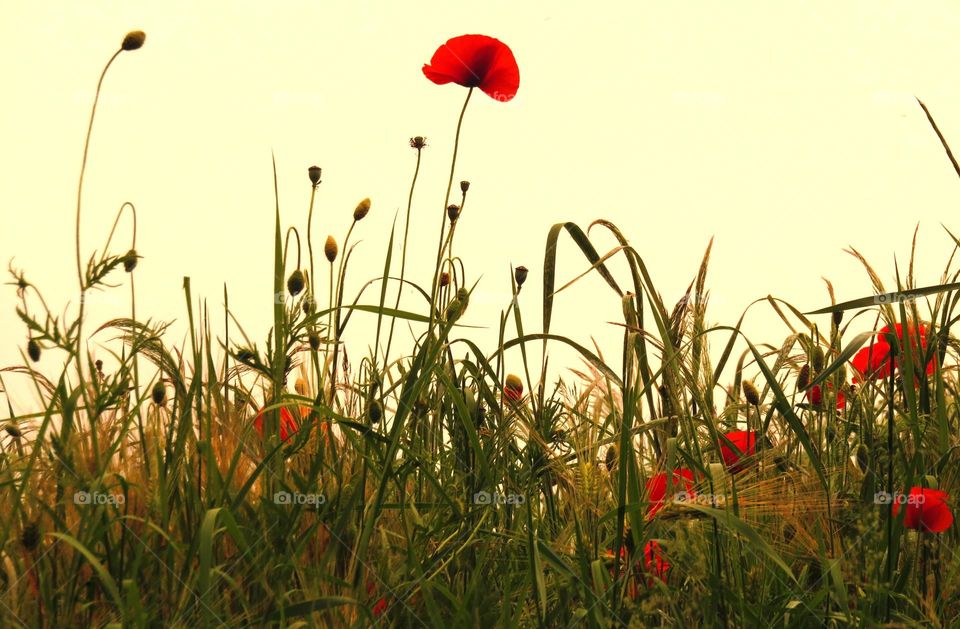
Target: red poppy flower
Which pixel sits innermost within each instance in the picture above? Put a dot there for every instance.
(874, 360)
(927, 510)
(288, 425)
(744, 442)
(655, 562)
(657, 488)
(513, 388)
(476, 61)
(815, 395)
(379, 607)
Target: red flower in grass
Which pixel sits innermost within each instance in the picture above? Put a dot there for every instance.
(744, 445)
(379, 607)
(655, 562)
(875, 360)
(815, 395)
(513, 388)
(476, 61)
(683, 481)
(927, 510)
(288, 425)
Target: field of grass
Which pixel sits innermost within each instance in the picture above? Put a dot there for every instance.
(274, 479)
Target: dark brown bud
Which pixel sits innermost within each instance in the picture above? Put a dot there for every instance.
(610, 459)
(159, 393)
(30, 536)
(99, 365)
(375, 412)
(418, 142)
(362, 208)
(130, 261)
(837, 317)
(33, 350)
(314, 339)
(330, 249)
(133, 40)
(314, 173)
(13, 430)
(750, 392)
(453, 211)
(296, 282)
(520, 275)
(444, 279)
(464, 186)
(803, 379)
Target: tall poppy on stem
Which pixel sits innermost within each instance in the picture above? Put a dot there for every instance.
(744, 444)
(876, 360)
(471, 61)
(657, 490)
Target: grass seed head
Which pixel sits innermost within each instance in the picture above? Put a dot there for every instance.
(362, 208)
(133, 40)
(750, 392)
(159, 393)
(33, 350)
(296, 282)
(330, 249)
(418, 142)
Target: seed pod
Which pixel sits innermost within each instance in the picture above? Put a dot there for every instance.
(803, 380)
(375, 412)
(33, 350)
(444, 279)
(610, 459)
(330, 249)
(309, 305)
(314, 339)
(453, 212)
(837, 317)
(296, 282)
(314, 173)
(362, 208)
(159, 393)
(464, 186)
(13, 430)
(750, 392)
(30, 536)
(130, 260)
(99, 365)
(418, 142)
(133, 40)
(520, 275)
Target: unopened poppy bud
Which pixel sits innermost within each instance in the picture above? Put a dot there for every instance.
(130, 261)
(610, 459)
(459, 304)
(362, 208)
(314, 339)
(803, 379)
(837, 317)
(296, 282)
(817, 359)
(444, 279)
(133, 40)
(464, 186)
(13, 430)
(418, 142)
(375, 412)
(314, 173)
(330, 249)
(453, 211)
(520, 275)
(33, 350)
(30, 536)
(750, 392)
(159, 393)
(309, 305)
(99, 365)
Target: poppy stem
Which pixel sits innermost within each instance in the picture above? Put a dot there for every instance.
(443, 214)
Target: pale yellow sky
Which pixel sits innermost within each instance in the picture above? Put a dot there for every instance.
(787, 132)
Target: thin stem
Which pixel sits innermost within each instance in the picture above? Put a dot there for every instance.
(403, 257)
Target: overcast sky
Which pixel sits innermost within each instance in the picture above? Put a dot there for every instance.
(787, 133)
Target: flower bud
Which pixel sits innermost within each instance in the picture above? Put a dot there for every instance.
(330, 249)
(817, 359)
(30, 536)
(513, 387)
(159, 393)
(296, 282)
(13, 430)
(133, 40)
(750, 392)
(464, 186)
(362, 208)
(130, 260)
(444, 279)
(309, 305)
(803, 379)
(610, 458)
(33, 350)
(520, 275)
(418, 142)
(453, 211)
(314, 339)
(837, 317)
(314, 173)
(375, 412)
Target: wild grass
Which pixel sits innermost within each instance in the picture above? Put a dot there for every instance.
(419, 485)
